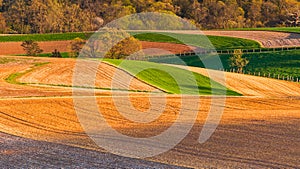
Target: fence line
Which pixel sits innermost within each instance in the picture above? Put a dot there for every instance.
(267, 75)
(245, 51)
(228, 51)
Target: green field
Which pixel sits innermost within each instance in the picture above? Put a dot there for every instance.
(196, 40)
(286, 63)
(163, 77)
(218, 42)
(276, 29)
(44, 37)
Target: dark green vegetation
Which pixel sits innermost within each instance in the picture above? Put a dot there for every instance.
(219, 42)
(171, 79)
(44, 37)
(286, 63)
(63, 54)
(276, 29)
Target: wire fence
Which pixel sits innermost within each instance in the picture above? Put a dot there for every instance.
(245, 51)
(266, 75)
(227, 52)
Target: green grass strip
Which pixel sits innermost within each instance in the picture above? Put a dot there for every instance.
(172, 79)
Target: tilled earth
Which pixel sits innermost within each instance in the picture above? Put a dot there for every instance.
(258, 130)
(17, 152)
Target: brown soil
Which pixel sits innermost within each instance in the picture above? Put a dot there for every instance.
(153, 48)
(255, 132)
(13, 48)
(60, 72)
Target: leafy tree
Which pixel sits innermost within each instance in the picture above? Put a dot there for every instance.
(31, 47)
(2, 24)
(114, 44)
(38, 13)
(76, 46)
(237, 61)
(17, 16)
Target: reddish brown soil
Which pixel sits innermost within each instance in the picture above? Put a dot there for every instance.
(11, 48)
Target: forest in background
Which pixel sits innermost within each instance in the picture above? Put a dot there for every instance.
(55, 16)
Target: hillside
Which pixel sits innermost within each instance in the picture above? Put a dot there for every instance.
(248, 124)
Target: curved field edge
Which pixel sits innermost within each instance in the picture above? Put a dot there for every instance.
(274, 29)
(13, 79)
(172, 80)
(203, 41)
(218, 42)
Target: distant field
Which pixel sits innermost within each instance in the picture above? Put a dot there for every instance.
(217, 41)
(44, 37)
(286, 63)
(277, 29)
(161, 76)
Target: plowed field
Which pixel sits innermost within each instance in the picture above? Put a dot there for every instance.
(259, 130)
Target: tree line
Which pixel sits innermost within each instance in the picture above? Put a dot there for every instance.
(54, 16)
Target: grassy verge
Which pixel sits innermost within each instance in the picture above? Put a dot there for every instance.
(63, 54)
(276, 29)
(168, 78)
(286, 63)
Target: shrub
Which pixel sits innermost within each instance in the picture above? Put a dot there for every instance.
(31, 47)
(76, 46)
(56, 54)
(236, 60)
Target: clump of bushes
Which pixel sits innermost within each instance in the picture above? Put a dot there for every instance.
(56, 54)
(31, 47)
